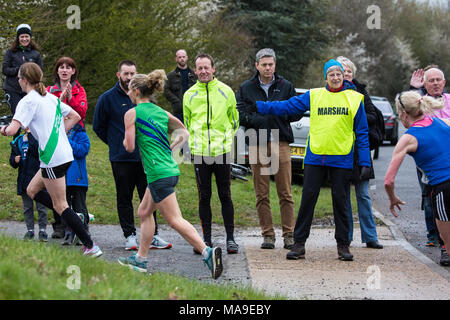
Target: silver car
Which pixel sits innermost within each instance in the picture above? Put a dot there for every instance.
(300, 130)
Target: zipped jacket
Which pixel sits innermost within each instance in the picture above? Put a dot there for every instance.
(211, 117)
(80, 143)
(11, 65)
(173, 89)
(303, 103)
(29, 161)
(250, 91)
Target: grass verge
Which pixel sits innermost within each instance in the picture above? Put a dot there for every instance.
(32, 270)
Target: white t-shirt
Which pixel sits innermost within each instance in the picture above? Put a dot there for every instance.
(38, 113)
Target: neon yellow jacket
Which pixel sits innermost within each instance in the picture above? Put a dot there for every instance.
(211, 117)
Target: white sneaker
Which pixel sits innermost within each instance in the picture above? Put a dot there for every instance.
(159, 243)
(131, 243)
(94, 252)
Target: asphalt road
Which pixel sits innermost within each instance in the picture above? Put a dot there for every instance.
(411, 220)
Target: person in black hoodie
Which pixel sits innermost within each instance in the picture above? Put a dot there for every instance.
(267, 85)
(25, 156)
(366, 219)
(22, 50)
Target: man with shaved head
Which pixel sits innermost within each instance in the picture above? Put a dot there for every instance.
(178, 81)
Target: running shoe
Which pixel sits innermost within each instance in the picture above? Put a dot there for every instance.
(133, 264)
(131, 243)
(214, 261)
(29, 235)
(43, 236)
(432, 243)
(232, 247)
(208, 244)
(445, 258)
(93, 252)
(159, 243)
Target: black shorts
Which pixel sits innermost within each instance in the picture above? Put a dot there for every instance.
(162, 188)
(440, 200)
(56, 172)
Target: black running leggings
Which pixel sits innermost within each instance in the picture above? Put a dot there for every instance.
(222, 173)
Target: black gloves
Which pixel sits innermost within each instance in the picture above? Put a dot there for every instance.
(364, 173)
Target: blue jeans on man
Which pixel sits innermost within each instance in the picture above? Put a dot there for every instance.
(432, 232)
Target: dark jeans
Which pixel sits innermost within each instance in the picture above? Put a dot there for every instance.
(432, 232)
(313, 179)
(222, 172)
(127, 176)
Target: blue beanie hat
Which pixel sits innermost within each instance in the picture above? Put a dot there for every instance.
(331, 63)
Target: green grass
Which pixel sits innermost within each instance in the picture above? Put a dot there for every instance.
(101, 197)
(32, 270)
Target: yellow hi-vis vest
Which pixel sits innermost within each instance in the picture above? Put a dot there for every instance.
(331, 121)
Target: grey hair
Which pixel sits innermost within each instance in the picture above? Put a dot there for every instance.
(266, 52)
(425, 74)
(348, 63)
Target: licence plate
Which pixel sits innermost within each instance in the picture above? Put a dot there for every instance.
(298, 151)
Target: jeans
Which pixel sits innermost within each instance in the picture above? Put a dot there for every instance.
(432, 232)
(366, 220)
(28, 212)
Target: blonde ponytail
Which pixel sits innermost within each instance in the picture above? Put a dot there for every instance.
(416, 105)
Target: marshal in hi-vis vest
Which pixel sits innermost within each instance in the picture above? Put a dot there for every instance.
(332, 114)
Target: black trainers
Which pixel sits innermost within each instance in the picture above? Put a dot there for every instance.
(58, 231)
(344, 253)
(29, 235)
(445, 258)
(374, 245)
(297, 252)
(43, 237)
(268, 243)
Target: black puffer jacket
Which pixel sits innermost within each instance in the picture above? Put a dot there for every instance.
(251, 91)
(11, 65)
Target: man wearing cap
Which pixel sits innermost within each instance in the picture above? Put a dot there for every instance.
(338, 123)
(22, 50)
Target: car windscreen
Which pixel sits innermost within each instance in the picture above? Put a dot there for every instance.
(383, 106)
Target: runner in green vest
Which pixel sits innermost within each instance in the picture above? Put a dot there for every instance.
(148, 125)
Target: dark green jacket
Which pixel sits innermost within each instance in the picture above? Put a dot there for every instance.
(173, 89)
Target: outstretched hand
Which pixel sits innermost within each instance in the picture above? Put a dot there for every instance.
(417, 79)
(396, 202)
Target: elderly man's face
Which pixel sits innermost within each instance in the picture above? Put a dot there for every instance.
(435, 82)
(335, 78)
